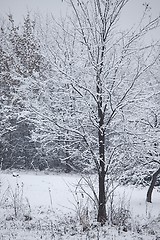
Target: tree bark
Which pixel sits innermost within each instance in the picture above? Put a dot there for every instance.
(101, 140)
(151, 187)
(102, 217)
(102, 194)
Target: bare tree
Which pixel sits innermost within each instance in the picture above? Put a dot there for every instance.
(117, 60)
(97, 73)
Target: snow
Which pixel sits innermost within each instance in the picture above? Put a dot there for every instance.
(136, 197)
(39, 189)
(49, 208)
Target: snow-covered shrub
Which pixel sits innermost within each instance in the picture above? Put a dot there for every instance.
(18, 206)
(119, 213)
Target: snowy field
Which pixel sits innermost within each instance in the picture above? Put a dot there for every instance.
(47, 206)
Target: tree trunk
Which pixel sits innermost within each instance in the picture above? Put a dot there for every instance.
(101, 139)
(150, 190)
(102, 200)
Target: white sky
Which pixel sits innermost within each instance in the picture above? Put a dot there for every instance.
(19, 7)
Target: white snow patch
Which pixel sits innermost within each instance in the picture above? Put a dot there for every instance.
(52, 202)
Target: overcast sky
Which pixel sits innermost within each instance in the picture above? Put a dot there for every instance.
(19, 7)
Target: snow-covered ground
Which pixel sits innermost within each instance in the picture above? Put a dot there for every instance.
(51, 206)
(51, 191)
